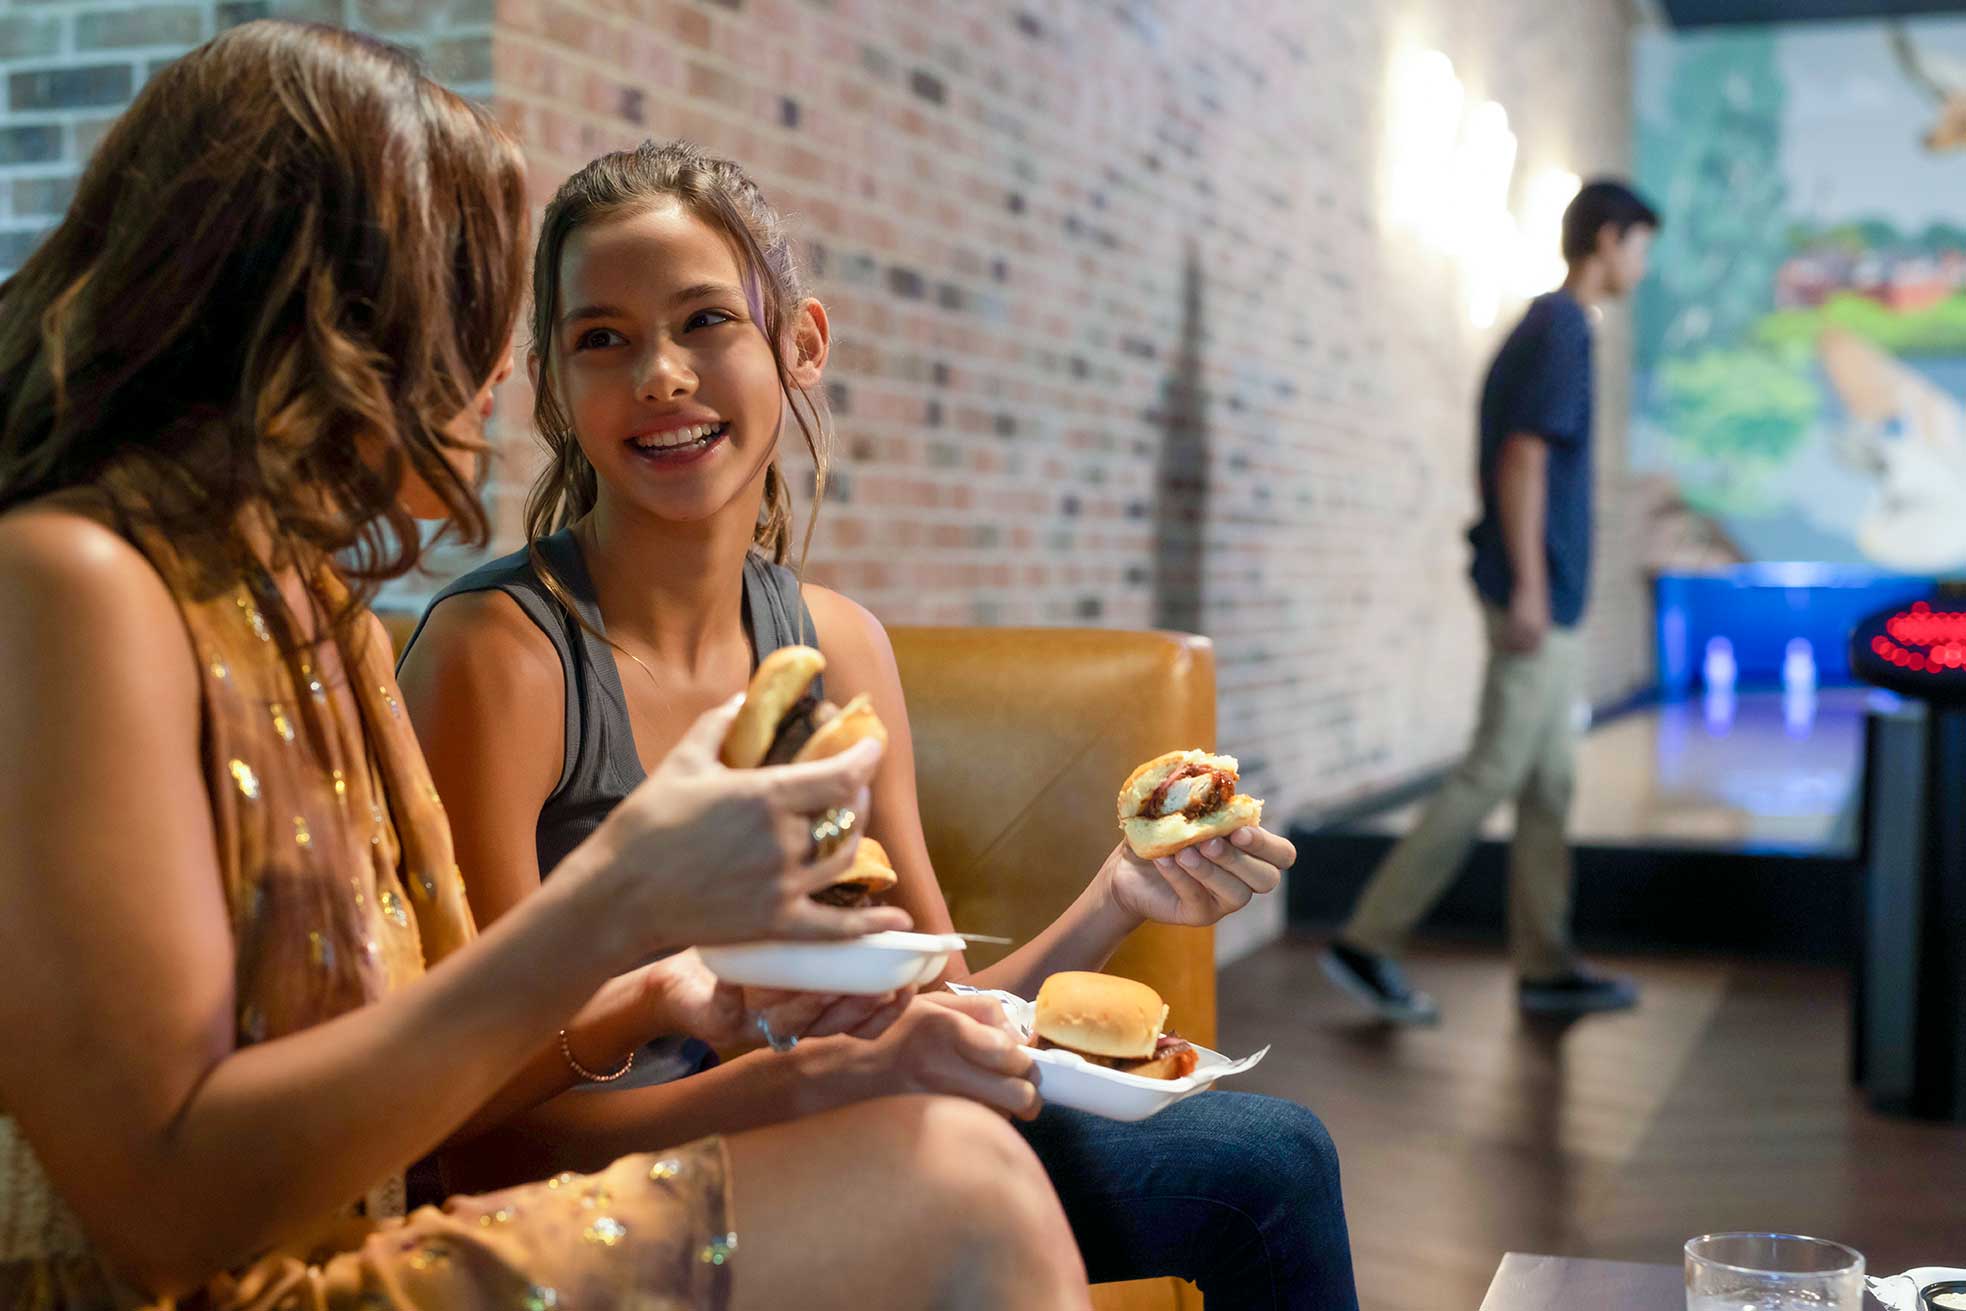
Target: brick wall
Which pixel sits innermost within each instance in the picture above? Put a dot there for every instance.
(1122, 339)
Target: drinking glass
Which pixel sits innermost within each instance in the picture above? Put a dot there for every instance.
(1772, 1272)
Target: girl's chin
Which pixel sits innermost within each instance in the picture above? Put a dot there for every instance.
(684, 490)
(675, 503)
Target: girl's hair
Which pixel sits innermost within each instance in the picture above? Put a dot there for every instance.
(719, 193)
(288, 268)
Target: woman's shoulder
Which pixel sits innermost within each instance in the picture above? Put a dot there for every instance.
(82, 599)
(66, 545)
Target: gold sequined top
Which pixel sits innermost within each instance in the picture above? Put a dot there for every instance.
(332, 845)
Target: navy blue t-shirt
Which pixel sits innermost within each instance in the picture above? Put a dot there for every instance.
(1540, 384)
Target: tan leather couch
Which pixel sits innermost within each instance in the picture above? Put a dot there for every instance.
(1022, 739)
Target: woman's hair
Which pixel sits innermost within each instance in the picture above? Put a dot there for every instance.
(287, 270)
(722, 195)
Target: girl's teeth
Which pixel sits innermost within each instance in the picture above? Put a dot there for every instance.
(677, 436)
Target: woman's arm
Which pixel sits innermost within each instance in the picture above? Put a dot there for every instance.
(586, 1130)
(956, 1046)
(180, 1154)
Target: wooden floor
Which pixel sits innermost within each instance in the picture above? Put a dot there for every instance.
(1722, 1103)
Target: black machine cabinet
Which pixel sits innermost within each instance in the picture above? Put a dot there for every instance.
(1910, 1016)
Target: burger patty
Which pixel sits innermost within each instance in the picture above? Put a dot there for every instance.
(847, 896)
(1215, 790)
(794, 731)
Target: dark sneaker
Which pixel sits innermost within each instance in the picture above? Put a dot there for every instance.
(1379, 983)
(1576, 992)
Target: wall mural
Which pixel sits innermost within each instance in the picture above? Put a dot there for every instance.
(1801, 369)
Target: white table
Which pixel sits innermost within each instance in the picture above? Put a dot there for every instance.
(1557, 1283)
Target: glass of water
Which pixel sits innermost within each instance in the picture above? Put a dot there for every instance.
(1772, 1272)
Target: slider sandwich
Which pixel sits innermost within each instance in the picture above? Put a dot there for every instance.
(783, 721)
(1112, 1022)
(1181, 798)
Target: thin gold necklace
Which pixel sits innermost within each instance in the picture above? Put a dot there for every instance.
(638, 660)
(581, 535)
(653, 680)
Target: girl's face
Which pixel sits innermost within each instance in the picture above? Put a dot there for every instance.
(668, 380)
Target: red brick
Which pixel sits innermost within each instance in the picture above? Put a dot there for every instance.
(690, 26)
(518, 16)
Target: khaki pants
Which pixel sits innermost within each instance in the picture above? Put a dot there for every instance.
(1524, 748)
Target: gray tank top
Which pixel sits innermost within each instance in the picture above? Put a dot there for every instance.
(601, 766)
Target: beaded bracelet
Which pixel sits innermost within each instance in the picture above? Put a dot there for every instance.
(588, 1074)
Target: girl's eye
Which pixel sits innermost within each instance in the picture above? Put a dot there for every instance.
(709, 319)
(594, 338)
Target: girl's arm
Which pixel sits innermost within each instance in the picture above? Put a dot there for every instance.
(859, 658)
(1199, 887)
(509, 664)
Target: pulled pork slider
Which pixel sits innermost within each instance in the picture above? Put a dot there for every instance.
(783, 720)
(1112, 1022)
(1181, 798)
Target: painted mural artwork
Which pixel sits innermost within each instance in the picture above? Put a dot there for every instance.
(1802, 341)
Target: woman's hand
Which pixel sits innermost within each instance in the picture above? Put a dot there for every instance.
(703, 854)
(1200, 884)
(683, 996)
(819, 1015)
(679, 995)
(944, 1043)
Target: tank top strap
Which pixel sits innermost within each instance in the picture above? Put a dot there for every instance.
(775, 611)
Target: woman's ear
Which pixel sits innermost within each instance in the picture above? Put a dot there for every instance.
(811, 337)
(532, 368)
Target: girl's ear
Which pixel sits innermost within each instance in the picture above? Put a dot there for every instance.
(811, 337)
(532, 368)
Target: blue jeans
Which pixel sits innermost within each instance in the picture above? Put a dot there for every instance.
(1235, 1192)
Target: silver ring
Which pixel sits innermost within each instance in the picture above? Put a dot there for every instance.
(772, 1040)
(831, 830)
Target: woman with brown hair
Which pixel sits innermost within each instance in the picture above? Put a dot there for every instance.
(246, 987)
